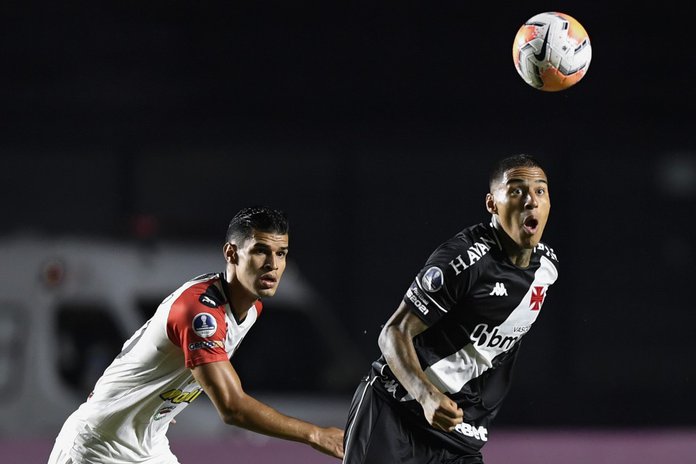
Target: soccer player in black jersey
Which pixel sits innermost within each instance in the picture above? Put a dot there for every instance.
(449, 348)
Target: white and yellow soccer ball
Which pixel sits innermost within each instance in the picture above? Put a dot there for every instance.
(552, 51)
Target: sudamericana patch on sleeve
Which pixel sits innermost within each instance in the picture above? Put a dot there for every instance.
(432, 279)
(204, 325)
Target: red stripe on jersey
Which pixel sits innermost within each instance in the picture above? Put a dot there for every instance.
(181, 332)
(259, 307)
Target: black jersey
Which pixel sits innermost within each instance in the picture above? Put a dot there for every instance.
(477, 306)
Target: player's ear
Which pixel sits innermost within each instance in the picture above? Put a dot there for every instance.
(490, 204)
(230, 252)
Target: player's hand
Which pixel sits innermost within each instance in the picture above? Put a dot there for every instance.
(441, 411)
(329, 440)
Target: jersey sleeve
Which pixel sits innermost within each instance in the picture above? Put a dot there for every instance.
(439, 284)
(198, 329)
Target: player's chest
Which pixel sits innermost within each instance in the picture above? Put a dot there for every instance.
(235, 333)
(506, 293)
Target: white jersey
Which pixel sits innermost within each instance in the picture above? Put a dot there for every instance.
(126, 417)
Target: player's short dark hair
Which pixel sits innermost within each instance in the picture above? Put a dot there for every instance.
(257, 218)
(515, 161)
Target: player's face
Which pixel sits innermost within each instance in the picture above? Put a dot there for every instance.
(521, 203)
(261, 263)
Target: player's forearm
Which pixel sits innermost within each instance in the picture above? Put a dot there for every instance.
(400, 354)
(256, 416)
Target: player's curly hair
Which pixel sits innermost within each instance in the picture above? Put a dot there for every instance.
(515, 161)
(259, 218)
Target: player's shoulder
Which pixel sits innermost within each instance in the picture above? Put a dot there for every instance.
(466, 248)
(198, 305)
(462, 240)
(201, 293)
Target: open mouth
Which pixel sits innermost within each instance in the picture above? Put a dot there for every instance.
(531, 224)
(268, 281)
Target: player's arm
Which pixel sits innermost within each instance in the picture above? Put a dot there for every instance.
(396, 343)
(222, 385)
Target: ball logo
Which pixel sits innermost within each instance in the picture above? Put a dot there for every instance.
(432, 279)
(204, 325)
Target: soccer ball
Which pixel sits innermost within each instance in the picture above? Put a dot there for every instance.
(552, 51)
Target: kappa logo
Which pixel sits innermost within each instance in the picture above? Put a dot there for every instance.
(499, 289)
(391, 386)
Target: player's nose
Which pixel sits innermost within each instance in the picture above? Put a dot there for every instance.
(531, 201)
(271, 263)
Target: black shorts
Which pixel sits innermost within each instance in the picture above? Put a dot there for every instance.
(380, 431)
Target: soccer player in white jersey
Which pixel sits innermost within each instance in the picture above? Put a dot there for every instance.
(185, 349)
(449, 348)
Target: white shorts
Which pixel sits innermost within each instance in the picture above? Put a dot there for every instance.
(78, 444)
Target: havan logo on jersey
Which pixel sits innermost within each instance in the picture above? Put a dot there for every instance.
(473, 254)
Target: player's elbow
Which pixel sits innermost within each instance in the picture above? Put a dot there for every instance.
(384, 341)
(232, 417)
(232, 411)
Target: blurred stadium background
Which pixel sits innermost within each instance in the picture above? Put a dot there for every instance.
(132, 132)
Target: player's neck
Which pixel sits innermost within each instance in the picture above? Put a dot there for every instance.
(518, 256)
(240, 299)
(521, 258)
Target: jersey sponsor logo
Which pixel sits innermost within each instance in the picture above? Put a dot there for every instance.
(468, 430)
(499, 289)
(205, 344)
(537, 298)
(391, 386)
(177, 396)
(432, 279)
(547, 251)
(490, 338)
(163, 412)
(473, 254)
(204, 325)
(417, 302)
(206, 300)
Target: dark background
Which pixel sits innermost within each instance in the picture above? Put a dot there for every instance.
(373, 124)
